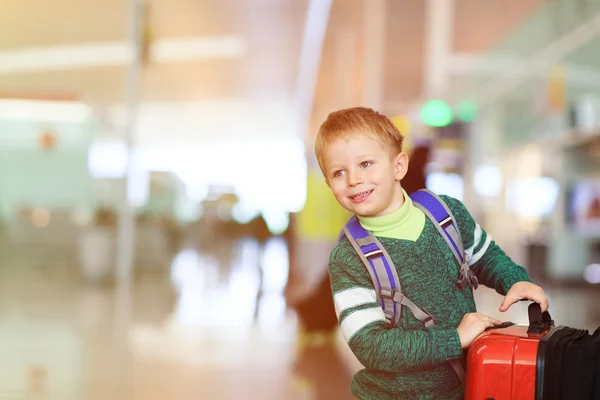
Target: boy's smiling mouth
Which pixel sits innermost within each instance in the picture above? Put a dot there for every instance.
(359, 198)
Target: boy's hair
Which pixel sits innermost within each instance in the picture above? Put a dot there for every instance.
(355, 121)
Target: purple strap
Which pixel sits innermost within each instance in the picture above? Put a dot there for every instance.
(438, 211)
(358, 232)
(372, 253)
(430, 202)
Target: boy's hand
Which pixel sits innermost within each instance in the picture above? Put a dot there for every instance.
(525, 291)
(472, 325)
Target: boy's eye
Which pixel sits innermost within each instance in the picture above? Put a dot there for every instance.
(365, 164)
(338, 173)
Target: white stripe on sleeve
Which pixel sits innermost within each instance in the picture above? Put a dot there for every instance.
(359, 319)
(353, 298)
(477, 256)
(476, 240)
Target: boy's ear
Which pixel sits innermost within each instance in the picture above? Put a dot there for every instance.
(401, 166)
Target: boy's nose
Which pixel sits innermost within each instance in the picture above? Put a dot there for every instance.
(354, 178)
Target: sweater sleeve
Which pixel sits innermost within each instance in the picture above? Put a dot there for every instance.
(490, 263)
(373, 341)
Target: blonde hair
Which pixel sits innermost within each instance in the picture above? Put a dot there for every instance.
(356, 121)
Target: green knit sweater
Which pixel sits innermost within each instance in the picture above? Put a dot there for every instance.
(410, 361)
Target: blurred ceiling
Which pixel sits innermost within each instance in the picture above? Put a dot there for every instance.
(239, 54)
(477, 26)
(270, 31)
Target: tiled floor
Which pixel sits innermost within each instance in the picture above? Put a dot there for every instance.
(210, 326)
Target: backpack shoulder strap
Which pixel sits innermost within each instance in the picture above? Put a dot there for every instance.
(383, 274)
(439, 213)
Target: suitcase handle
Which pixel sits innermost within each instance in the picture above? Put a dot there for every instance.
(538, 321)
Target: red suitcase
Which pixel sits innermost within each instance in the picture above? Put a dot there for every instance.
(502, 362)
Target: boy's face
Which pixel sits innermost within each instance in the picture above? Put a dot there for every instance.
(364, 177)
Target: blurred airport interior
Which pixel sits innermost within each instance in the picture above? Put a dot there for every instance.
(164, 225)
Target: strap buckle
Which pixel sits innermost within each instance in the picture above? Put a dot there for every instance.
(389, 316)
(391, 294)
(394, 296)
(467, 278)
(373, 254)
(429, 321)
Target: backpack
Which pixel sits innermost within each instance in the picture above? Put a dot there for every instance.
(383, 273)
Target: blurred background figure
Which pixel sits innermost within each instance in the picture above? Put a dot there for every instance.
(165, 229)
(416, 177)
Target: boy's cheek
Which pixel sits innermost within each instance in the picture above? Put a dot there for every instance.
(338, 196)
(335, 188)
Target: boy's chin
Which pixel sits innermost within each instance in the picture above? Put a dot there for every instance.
(364, 212)
(362, 209)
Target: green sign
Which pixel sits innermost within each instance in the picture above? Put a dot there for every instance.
(436, 113)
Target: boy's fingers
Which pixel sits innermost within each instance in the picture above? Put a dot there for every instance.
(508, 301)
(491, 322)
(530, 292)
(538, 298)
(544, 305)
(541, 299)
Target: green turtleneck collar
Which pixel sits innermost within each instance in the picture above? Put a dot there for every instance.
(405, 223)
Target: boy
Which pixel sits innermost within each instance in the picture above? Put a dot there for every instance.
(360, 154)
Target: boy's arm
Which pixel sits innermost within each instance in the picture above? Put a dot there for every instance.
(491, 265)
(374, 343)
